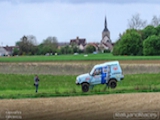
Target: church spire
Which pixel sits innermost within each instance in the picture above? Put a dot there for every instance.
(105, 25)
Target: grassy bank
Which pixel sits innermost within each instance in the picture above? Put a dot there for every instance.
(104, 56)
(21, 86)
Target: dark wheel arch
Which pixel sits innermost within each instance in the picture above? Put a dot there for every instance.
(85, 87)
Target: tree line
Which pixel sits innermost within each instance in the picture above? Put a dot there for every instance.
(139, 38)
(27, 45)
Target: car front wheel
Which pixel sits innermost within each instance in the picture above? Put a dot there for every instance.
(85, 87)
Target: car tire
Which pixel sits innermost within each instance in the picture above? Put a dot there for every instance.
(85, 87)
(112, 83)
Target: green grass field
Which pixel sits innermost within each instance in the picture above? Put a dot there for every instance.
(21, 86)
(80, 57)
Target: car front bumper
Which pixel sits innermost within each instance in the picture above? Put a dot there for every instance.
(77, 83)
(122, 77)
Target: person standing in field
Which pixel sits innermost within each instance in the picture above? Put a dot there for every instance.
(36, 82)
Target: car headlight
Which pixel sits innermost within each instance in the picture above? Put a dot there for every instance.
(76, 80)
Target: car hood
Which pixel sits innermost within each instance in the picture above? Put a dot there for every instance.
(84, 75)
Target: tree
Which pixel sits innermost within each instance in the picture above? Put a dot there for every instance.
(116, 50)
(32, 39)
(15, 51)
(158, 30)
(27, 45)
(40, 49)
(151, 46)
(148, 31)
(90, 49)
(66, 49)
(74, 47)
(155, 21)
(58, 51)
(136, 22)
(49, 45)
(129, 44)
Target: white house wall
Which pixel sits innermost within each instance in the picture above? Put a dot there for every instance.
(3, 51)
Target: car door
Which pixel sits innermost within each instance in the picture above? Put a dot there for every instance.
(97, 75)
(105, 74)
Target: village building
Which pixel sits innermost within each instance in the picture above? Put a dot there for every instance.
(106, 43)
(8, 50)
(79, 42)
(3, 51)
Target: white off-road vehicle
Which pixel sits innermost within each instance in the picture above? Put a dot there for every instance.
(108, 73)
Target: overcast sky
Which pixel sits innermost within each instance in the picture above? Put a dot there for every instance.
(67, 19)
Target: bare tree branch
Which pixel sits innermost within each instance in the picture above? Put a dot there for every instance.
(136, 22)
(155, 21)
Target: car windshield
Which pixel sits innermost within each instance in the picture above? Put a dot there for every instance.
(91, 72)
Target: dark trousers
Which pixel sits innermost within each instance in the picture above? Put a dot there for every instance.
(36, 88)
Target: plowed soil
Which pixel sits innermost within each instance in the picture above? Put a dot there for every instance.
(98, 107)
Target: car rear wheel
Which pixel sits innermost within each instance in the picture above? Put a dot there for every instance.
(85, 87)
(112, 84)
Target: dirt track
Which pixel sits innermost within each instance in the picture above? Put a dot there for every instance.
(99, 107)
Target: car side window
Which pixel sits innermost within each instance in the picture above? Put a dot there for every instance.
(97, 71)
(107, 69)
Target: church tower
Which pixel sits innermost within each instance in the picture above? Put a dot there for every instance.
(106, 41)
(106, 32)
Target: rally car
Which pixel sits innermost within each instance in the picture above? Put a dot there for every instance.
(108, 73)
